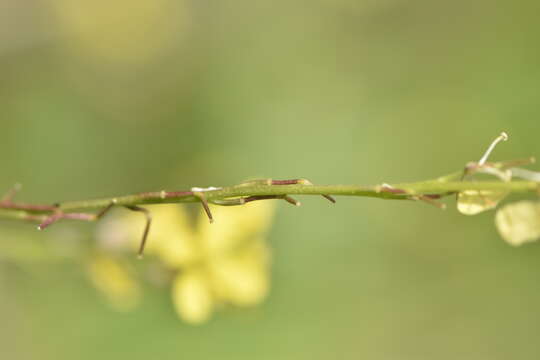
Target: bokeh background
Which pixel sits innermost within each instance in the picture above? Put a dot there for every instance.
(100, 98)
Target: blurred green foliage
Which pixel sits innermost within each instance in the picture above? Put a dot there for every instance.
(100, 99)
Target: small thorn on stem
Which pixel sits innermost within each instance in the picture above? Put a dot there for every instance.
(526, 174)
(431, 201)
(105, 210)
(290, 200)
(49, 221)
(146, 228)
(330, 198)
(287, 198)
(515, 163)
(205, 206)
(302, 182)
(208, 212)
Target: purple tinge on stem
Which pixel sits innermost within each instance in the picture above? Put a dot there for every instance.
(58, 216)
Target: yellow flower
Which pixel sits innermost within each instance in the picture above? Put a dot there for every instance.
(113, 279)
(226, 262)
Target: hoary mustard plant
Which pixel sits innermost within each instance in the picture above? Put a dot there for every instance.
(227, 263)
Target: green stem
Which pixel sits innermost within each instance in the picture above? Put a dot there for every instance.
(403, 191)
(20, 215)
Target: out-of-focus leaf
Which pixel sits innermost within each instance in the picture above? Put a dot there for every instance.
(519, 222)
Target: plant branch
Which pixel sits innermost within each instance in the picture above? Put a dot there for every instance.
(431, 188)
(92, 210)
(429, 191)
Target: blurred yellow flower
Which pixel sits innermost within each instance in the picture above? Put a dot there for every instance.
(226, 262)
(113, 279)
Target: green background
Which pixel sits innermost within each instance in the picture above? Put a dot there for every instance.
(337, 91)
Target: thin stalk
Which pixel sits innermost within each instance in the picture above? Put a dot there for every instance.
(431, 187)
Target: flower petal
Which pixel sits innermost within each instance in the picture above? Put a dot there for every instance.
(234, 225)
(112, 278)
(171, 236)
(242, 278)
(192, 297)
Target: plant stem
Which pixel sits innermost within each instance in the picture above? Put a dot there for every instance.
(433, 188)
(20, 215)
